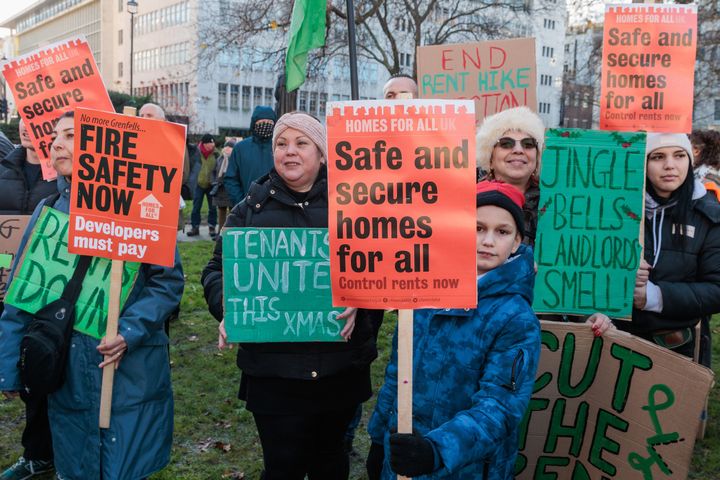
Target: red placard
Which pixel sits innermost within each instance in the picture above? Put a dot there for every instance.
(50, 81)
(402, 203)
(127, 173)
(648, 68)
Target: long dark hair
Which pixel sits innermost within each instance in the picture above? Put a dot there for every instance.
(710, 151)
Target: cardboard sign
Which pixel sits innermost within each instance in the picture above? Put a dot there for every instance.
(402, 203)
(49, 82)
(497, 74)
(276, 286)
(127, 173)
(648, 67)
(613, 406)
(587, 248)
(46, 267)
(12, 228)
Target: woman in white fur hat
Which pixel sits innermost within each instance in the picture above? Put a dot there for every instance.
(509, 148)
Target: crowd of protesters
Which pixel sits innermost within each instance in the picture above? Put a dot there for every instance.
(478, 365)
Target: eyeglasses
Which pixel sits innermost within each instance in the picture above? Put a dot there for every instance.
(528, 143)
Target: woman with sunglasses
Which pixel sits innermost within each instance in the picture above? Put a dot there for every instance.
(509, 146)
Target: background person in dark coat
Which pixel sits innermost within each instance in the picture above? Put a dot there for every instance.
(301, 395)
(253, 157)
(205, 180)
(22, 188)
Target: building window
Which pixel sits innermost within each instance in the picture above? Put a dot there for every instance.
(717, 110)
(323, 103)
(120, 37)
(548, 52)
(302, 101)
(269, 97)
(120, 69)
(169, 16)
(222, 96)
(546, 80)
(245, 98)
(312, 107)
(257, 96)
(405, 60)
(234, 97)
(121, 5)
(544, 107)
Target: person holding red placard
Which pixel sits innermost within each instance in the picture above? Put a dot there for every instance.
(139, 439)
(302, 395)
(23, 188)
(473, 369)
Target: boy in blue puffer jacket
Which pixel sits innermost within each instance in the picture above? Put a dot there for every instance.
(473, 370)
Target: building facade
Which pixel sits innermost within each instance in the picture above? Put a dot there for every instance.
(172, 45)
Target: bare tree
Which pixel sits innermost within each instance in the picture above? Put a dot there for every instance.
(388, 31)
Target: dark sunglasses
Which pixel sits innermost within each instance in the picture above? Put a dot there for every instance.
(508, 143)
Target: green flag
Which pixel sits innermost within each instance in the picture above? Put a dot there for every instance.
(307, 31)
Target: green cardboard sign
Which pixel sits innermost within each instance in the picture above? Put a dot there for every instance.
(587, 247)
(46, 267)
(276, 286)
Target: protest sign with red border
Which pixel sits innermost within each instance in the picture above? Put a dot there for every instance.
(127, 173)
(402, 203)
(48, 82)
(648, 67)
(496, 74)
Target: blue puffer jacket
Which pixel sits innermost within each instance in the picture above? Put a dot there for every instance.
(140, 435)
(250, 159)
(473, 373)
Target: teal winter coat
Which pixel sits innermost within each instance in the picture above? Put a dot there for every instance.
(139, 439)
(473, 373)
(250, 159)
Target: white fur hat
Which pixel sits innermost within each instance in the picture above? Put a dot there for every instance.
(495, 126)
(660, 140)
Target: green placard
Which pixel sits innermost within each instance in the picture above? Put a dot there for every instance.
(46, 267)
(587, 247)
(5, 260)
(276, 286)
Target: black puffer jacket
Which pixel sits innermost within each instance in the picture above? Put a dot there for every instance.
(16, 196)
(270, 204)
(687, 269)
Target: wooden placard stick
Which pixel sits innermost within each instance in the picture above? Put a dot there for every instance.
(405, 372)
(116, 271)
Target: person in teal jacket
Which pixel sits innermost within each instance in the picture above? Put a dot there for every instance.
(252, 158)
(139, 439)
(473, 369)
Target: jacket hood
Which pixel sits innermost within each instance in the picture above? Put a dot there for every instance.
(14, 158)
(262, 113)
(516, 276)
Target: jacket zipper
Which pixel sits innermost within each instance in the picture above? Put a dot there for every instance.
(512, 385)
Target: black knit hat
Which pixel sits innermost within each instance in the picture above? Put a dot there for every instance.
(207, 138)
(505, 196)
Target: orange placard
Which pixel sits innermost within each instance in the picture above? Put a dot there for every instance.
(648, 68)
(50, 81)
(125, 197)
(496, 74)
(402, 203)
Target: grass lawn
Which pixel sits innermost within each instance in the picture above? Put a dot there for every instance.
(215, 437)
